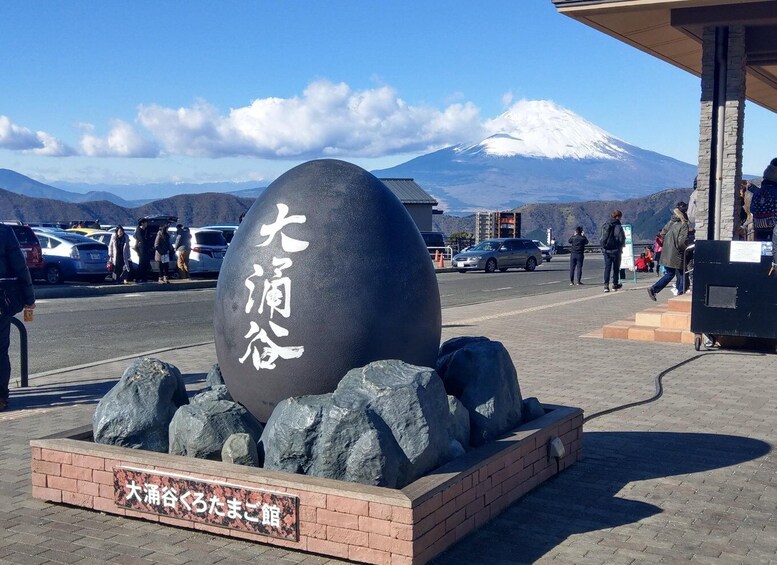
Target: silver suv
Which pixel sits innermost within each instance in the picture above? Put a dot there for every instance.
(492, 254)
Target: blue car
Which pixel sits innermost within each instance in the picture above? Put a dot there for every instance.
(72, 257)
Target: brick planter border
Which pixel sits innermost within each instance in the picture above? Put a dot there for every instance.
(344, 520)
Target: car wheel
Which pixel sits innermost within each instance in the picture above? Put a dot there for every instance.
(462, 270)
(53, 275)
(547, 260)
(531, 264)
(491, 265)
(502, 269)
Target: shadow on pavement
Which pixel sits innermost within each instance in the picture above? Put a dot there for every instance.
(585, 498)
(83, 392)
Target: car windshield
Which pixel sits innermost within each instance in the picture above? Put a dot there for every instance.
(486, 246)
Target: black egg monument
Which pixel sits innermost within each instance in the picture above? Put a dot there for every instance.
(326, 273)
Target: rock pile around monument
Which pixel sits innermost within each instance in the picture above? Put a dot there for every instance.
(386, 424)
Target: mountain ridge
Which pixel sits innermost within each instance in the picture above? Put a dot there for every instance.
(191, 209)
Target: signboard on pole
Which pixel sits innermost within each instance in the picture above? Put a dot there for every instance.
(627, 259)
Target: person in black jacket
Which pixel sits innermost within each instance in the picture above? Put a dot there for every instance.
(612, 240)
(14, 277)
(141, 248)
(577, 251)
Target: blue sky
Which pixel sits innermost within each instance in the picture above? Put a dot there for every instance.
(123, 92)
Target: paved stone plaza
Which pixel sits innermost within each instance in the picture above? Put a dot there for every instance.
(690, 477)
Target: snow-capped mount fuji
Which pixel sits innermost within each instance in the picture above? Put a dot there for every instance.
(538, 151)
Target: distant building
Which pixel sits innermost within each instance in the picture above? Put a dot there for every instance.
(416, 200)
(489, 225)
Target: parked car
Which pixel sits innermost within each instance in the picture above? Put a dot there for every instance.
(31, 247)
(544, 249)
(228, 231)
(434, 240)
(208, 250)
(101, 236)
(70, 256)
(501, 253)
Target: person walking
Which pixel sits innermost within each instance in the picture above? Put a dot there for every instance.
(141, 248)
(16, 293)
(162, 251)
(183, 247)
(612, 240)
(118, 255)
(577, 253)
(675, 234)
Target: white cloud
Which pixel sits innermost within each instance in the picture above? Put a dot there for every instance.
(327, 120)
(122, 141)
(18, 138)
(507, 98)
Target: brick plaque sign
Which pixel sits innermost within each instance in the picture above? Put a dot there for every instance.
(210, 502)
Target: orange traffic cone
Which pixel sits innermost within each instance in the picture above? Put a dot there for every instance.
(436, 255)
(441, 263)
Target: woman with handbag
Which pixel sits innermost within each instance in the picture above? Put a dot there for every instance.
(118, 255)
(16, 293)
(162, 251)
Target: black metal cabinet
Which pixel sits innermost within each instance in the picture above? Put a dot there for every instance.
(731, 295)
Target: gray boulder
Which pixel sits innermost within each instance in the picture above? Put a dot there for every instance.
(458, 423)
(218, 392)
(482, 376)
(291, 432)
(201, 429)
(412, 402)
(355, 445)
(214, 377)
(137, 411)
(240, 449)
(532, 409)
(450, 347)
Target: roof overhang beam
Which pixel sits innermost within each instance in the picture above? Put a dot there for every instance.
(749, 14)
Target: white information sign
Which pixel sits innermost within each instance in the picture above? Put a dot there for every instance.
(745, 252)
(627, 259)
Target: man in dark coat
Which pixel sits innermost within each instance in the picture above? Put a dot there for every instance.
(13, 273)
(142, 249)
(577, 245)
(612, 240)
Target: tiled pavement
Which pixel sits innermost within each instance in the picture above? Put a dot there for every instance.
(689, 477)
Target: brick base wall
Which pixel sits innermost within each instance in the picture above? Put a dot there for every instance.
(344, 520)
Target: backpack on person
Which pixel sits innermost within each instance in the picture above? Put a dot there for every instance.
(607, 239)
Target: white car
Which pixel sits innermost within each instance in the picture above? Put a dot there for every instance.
(208, 250)
(544, 249)
(101, 236)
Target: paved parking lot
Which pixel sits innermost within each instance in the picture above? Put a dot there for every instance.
(689, 477)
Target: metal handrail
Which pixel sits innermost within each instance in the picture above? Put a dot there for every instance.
(447, 251)
(686, 272)
(23, 351)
